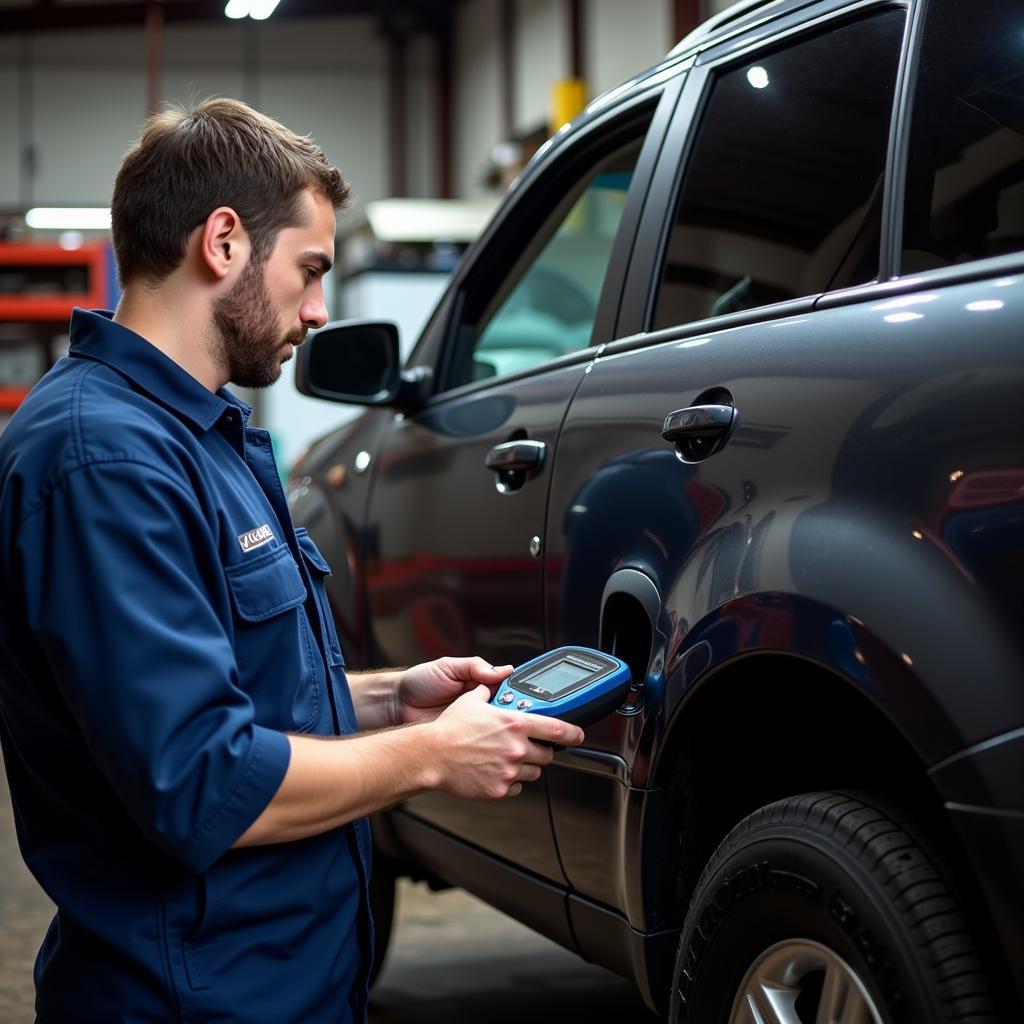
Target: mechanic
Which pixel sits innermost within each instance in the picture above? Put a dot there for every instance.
(170, 678)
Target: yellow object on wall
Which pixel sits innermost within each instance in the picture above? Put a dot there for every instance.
(568, 98)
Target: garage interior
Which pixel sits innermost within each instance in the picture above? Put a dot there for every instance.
(430, 108)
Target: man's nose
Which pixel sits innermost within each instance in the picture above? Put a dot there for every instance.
(314, 312)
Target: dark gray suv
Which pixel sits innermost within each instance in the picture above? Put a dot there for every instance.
(732, 386)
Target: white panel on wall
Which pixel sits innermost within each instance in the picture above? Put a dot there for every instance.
(202, 47)
(542, 57)
(194, 83)
(114, 47)
(477, 95)
(344, 112)
(83, 123)
(624, 39)
(11, 150)
(349, 43)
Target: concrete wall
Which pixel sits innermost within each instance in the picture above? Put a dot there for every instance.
(84, 99)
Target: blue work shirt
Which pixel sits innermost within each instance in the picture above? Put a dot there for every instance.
(163, 626)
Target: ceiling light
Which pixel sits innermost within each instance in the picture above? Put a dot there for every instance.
(259, 10)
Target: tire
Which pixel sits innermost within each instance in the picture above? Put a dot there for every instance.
(383, 882)
(825, 900)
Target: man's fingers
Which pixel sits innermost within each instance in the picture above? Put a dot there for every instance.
(539, 753)
(553, 730)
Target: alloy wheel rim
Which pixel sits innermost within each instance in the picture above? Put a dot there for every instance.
(800, 981)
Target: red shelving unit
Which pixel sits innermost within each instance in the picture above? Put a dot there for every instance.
(39, 287)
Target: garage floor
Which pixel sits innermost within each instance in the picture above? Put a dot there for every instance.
(452, 958)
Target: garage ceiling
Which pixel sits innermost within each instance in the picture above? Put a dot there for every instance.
(48, 15)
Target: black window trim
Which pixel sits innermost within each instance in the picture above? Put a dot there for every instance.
(654, 103)
(637, 315)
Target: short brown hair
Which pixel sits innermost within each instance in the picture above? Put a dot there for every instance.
(189, 161)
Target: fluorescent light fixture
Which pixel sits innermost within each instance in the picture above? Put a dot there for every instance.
(260, 10)
(69, 218)
(902, 318)
(758, 77)
(982, 305)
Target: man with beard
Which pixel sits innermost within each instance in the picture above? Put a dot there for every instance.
(177, 725)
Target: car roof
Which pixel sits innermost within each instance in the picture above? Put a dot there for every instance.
(732, 17)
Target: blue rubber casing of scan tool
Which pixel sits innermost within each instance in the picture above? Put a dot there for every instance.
(600, 683)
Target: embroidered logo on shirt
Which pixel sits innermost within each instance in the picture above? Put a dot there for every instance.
(256, 538)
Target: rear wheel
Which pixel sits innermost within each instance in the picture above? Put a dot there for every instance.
(826, 908)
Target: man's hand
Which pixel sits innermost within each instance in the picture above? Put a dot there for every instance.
(467, 749)
(424, 691)
(487, 752)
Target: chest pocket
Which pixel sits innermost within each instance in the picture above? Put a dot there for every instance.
(319, 570)
(273, 641)
(266, 586)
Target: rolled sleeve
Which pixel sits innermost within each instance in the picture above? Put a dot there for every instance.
(125, 593)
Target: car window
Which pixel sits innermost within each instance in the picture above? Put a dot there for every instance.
(965, 173)
(783, 188)
(546, 298)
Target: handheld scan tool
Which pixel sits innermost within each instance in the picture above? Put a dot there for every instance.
(577, 684)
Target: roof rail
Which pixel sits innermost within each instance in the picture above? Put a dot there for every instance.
(705, 28)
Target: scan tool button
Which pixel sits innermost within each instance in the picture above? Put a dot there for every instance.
(525, 705)
(507, 697)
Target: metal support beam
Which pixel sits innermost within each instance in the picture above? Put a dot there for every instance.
(506, 36)
(444, 55)
(398, 111)
(686, 16)
(577, 67)
(154, 54)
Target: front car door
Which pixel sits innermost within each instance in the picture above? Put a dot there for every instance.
(459, 496)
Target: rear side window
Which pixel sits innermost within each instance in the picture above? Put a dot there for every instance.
(783, 189)
(965, 174)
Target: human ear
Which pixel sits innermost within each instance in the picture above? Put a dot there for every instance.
(223, 242)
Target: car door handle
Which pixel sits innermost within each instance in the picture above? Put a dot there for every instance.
(699, 430)
(514, 461)
(516, 456)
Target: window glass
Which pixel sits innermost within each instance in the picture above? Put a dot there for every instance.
(783, 188)
(546, 304)
(965, 174)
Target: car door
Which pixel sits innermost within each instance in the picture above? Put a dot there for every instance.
(769, 193)
(460, 490)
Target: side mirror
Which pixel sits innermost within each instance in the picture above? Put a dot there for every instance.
(356, 361)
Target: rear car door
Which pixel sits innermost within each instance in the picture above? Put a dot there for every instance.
(460, 488)
(769, 193)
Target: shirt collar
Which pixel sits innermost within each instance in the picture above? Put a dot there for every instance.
(94, 335)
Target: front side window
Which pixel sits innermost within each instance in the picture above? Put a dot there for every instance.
(965, 172)
(783, 189)
(545, 296)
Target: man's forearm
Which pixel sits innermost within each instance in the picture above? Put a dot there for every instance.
(332, 781)
(374, 698)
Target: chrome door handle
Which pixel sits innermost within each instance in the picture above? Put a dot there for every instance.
(516, 456)
(699, 430)
(514, 461)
